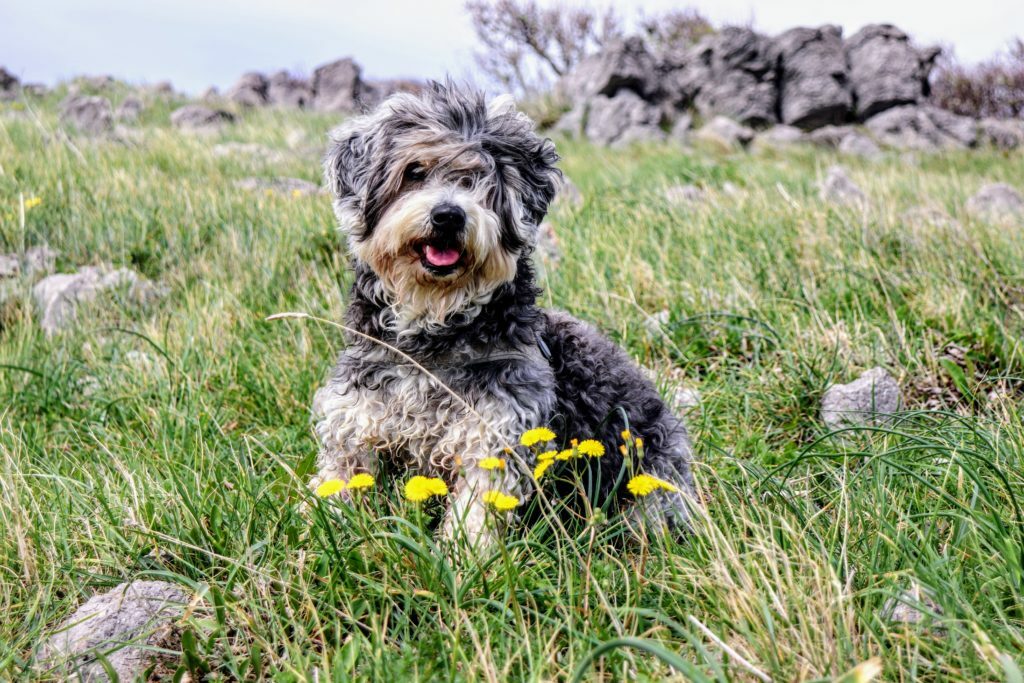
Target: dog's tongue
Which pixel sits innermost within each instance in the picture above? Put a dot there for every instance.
(441, 257)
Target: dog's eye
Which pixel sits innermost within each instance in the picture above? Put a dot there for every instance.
(415, 173)
(466, 182)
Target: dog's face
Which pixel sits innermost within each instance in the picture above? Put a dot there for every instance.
(439, 195)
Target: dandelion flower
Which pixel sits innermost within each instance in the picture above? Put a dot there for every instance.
(500, 501)
(591, 448)
(567, 454)
(644, 484)
(360, 481)
(492, 464)
(331, 487)
(639, 443)
(33, 202)
(623, 449)
(626, 435)
(541, 468)
(537, 435)
(296, 193)
(418, 489)
(547, 455)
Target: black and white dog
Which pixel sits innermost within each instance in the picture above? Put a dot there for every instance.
(440, 195)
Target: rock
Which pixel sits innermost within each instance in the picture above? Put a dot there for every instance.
(1001, 133)
(129, 626)
(684, 194)
(250, 90)
(293, 187)
(210, 94)
(197, 118)
(10, 265)
(161, 89)
(732, 73)
(571, 122)
(337, 86)
(996, 203)
(680, 132)
(830, 136)
(906, 609)
(886, 70)
(868, 400)
(686, 400)
(87, 114)
(725, 132)
(860, 145)
(924, 128)
(838, 188)
(34, 90)
(285, 90)
(779, 137)
(57, 296)
(35, 261)
(813, 90)
(129, 109)
(656, 321)
(622, 119)
(9, 85)
(623, 65)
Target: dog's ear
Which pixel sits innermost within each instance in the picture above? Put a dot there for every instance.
(542, 179)
(347, 163)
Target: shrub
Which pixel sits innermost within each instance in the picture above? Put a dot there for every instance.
(993, 88)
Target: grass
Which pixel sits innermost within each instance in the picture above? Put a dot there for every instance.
(173, 441)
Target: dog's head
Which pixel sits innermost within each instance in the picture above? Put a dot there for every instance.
(440, 193)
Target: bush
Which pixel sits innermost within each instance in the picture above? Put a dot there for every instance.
(992, 88)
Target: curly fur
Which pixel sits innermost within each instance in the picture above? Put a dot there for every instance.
(477, 329)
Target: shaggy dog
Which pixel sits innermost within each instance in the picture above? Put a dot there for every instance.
(440, 196)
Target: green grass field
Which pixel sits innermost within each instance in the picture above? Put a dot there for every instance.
(173, 441)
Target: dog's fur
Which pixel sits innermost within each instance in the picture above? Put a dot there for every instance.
(474, 326)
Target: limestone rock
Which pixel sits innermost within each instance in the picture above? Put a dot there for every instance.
(868, 400)
(197, 118)
(996, 202)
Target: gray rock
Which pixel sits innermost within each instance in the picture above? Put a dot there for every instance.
(10, 265)
(35, 261)
(923, 128)
(9, 85)
(250, 90)
(838, 188)
(684, 194)
(886, 70)
(1001, 133)
(681, 129)
(830, 136)
(34, 89)
(571, 122)
(129, 109)
(860, 145)
(128, 625)
(57, 297)
(161, 89)
(210, 94)
(723, 131)
(292, 187)
(732, 73)
(622, 119)
(996, 203)
(655, 322)
(622, 65)
(813, 91)
(779, 137)
(337, 86)
(909, 607)
(868, 400)
(87, 114)
(197, 118)
(286, 90)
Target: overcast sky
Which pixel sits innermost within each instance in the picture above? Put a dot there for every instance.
(195, 43)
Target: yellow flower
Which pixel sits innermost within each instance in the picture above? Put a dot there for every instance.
(541, 468)
(33, 202)
(623, 449)
(626, 436)
(639, 443)
(547, 455)
(331, 487)
(536, 436)
(296, 193)
(591, 448)
(500, 501)
(418, 489)
(360, 481)
(567, 454)
(644, 484)
(492, 464)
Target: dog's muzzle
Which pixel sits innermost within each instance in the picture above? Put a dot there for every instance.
(442, 252)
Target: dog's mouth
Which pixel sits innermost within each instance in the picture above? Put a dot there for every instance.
(440, 257)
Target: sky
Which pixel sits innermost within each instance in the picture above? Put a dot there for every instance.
(197, 43)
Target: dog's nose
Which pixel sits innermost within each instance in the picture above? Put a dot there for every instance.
(448, 217)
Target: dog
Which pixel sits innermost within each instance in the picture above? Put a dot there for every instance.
(448, 358)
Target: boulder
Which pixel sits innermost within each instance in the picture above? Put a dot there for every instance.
(195, 117)
(886, 70)
(830, 136)
(286, 90)
(869, 400)
(623, 65)
(129, 109)
(837, 188)
(57, 296)
(337, 86)
(87, 114)
(1001, 133)
(681, 129)
(779, 137)
(132, 626)
(725, 132)
(9, 85)
(924, 128)
(813, 88)
(859, 145)
(250, 90)
(732, 73)
(996, 203)
(34, 261)
(622, 119)
(375, 92)
(292, 187)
